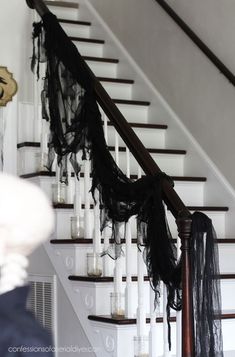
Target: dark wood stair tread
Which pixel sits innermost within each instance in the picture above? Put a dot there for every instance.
(133, 241)
(116, 80)
(112, 148)
(84, 39)
(131, 102)
(100, 59)
(62, 4)
(208, 208)
(74, 22)
(153, 151)
(175, 178)
(126, 321)
(110, 279)
(145, 125)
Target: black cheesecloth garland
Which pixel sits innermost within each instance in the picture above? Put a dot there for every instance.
(68, 103)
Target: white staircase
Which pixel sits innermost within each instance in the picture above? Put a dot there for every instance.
(90, 296)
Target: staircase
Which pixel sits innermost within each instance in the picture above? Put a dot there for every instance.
(89, 296)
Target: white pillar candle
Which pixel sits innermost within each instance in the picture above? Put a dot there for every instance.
(97, 236)
(87, 220)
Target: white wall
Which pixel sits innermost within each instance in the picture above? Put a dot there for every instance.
(15, 52)
(69, 330)
(193, 87)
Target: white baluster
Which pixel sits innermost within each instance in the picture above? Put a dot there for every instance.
(153, 332)
(97, 237)
(87, 218)
(166, 352)
(106, 258)
(178, 313)
(141, 310)
(69, 196)
(77, 197)
(116, 148)
(105, 128)
(129, 287)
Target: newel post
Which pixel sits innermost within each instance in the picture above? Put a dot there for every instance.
(184, 231)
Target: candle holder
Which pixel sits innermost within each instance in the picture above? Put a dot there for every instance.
(58, 192)
(117, 301)
(94, 264)
(141, 346)
(41, 161)
(76, 228)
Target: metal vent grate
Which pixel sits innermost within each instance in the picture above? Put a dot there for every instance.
(41, 300)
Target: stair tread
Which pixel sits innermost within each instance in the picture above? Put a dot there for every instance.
(62, 4)
(131, 102)
(74, 22)
(100, 59)
(132, 321)
(116, 80)
(175, 178)
(208, 208)
(109, 279)
(112, 148)
(145, 125)
(84, 39)
(134, 241)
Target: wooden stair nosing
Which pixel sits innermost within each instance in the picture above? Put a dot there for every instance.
(145, 125)
(143, 103)
(116, 80)
(84, 39)
(133, 241)
(154, 151)
(126, 321)
(51, 174)
(74, 22)
(112, 148)
(104, 279)
(208, 208)
(69, 4)
(100, 59)
(110, 279)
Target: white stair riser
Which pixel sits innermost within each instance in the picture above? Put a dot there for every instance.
(151, 138)
(134, 113)
(190, 192)
(89, 49)
(64, 12)
(103, 69)
(117, 90)
(76, 30)
(171, 164)
(226, 258)
(218, 220)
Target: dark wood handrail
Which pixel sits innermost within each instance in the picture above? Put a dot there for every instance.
(173, 201)
(136, 147)
(200, 44)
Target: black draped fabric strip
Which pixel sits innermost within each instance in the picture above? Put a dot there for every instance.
(206, 288)
(69, 104)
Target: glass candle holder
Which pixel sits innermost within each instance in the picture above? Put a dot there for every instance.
(94, 264)
(141, 346)
(76, 227)
(58, 192)
(41, 161)
(117, 301)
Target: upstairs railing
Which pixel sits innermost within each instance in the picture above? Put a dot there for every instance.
(171, 198)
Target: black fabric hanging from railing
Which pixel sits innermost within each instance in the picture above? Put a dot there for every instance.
(69, 105)
(206, 288)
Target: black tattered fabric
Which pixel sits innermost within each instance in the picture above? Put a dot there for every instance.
(69, 104)
(21, 335)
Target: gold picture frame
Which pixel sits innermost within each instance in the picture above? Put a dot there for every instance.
(8, 86)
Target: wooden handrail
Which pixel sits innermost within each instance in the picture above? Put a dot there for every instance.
(200, 44)
(173, 201)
